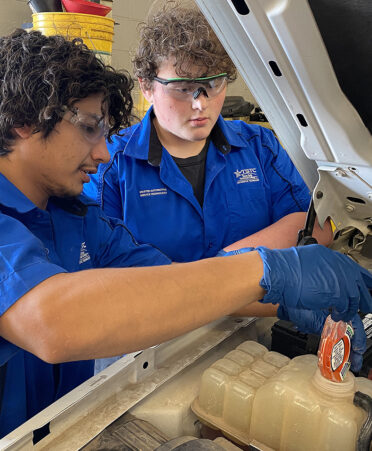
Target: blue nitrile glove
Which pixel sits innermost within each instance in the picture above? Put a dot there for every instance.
(314, 277)
(312, 322)
(307, 321)
(243, 250)
(358, 343)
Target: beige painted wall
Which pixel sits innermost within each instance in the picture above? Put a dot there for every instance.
(127, 15)
(13, 14)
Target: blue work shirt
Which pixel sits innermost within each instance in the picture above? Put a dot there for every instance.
(70, 235)
(250, 183)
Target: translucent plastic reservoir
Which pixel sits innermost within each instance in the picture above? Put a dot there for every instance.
(256, 395)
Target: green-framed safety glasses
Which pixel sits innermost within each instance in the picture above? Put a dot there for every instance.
(191, 88)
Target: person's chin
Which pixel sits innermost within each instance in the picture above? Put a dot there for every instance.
(200, 135)
(71, 192)
(200, 132)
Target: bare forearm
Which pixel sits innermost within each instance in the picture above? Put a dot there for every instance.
(103, 312)
(283, 234)
(257, 309)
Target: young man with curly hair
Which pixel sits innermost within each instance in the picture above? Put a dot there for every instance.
(64, 294)
(184, 179)
(58, 103)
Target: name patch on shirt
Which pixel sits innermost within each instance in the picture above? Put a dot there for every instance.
(153, 192)
(246, 175)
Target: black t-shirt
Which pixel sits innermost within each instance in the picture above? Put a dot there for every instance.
(193, 169)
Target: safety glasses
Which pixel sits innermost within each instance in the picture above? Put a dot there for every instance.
(91, 126)
(190, 88)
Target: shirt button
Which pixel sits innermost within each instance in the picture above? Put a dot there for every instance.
(210, 245)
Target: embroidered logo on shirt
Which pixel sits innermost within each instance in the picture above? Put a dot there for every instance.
(153, 192)
(246, 175)
(84, 254)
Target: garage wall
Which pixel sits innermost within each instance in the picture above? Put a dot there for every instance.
(13, 14)
(127, 15)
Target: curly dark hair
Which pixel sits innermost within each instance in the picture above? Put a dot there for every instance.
(40, 75)
(184, 34)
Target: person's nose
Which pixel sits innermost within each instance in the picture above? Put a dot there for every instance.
(200, 103)
(100, 153)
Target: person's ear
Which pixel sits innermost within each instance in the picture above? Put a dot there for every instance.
(146, 89)
(23, 132)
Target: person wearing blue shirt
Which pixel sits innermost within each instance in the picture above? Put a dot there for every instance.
(73, 286)
(46, 235)
(185, 179)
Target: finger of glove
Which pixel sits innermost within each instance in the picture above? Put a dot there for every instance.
(359, 339)
(356, 361)
(308, 321)
(358, 343)
(356, 282)
(352, 309)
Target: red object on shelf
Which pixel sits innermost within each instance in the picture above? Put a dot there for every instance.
(85, 7)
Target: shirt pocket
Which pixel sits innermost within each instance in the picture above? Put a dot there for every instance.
(249, 210)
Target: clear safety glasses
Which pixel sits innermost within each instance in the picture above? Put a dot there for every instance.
(90, 125)
(191, 88)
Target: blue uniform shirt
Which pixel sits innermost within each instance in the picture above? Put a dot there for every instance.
(70, 235)
(250, 183)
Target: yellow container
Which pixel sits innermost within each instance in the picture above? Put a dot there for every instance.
(141, 105)
(96, 32)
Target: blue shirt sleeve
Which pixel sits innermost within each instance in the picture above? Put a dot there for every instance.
(7, 351)
(289, 192)
(104, 187)
(117, 247)
(23, 262)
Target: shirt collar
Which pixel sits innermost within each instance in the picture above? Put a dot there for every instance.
(219, 139)
(155, 147)
(230, 135)
(141, 133)
(12, 197)
(149, 147)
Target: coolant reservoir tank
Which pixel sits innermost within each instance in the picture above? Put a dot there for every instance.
(303, 410)
(284, 404)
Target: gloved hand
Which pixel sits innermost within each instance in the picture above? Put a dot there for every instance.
(307, 321)
(314, 277)
(312, 322)
(358, 343)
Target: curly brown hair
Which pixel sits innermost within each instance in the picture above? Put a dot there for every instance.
(183, 34)
(40, 75)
